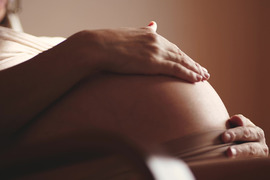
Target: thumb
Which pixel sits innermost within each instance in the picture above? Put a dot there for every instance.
(153, 26)
(239, 120)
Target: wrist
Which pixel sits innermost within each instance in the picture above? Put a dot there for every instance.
(87, 51)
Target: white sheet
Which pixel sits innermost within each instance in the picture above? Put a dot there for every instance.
(18, 47)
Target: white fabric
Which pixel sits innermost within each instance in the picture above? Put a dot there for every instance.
(18, 47)
(163, 168)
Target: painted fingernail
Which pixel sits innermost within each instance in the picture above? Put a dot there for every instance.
(151, 23)
(227, 137)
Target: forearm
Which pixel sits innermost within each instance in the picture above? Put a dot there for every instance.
(28, 88)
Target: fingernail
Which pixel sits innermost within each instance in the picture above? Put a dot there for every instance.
(205, 70)
(233, 152)
(151, 23)
(206, 75)
(199, 77)
(227, 137)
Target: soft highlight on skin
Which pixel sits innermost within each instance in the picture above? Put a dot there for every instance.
(3, 9)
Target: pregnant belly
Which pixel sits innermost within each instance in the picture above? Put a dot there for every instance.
(147, 109)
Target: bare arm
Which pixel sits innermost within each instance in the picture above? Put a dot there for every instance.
(28, 88)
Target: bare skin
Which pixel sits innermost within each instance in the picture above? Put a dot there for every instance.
(38, 102)
(84, 55)
(150, 110)
(3, 10)
(147, 109)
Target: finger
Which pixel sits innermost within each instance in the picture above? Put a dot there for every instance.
(204, 74)
(243, 133)
(188, 63)
(178, 58)
(247, 150)
(175, 69)
(178, 55)
(239, 120)
(195, 66)
(153, 26)
(203, 71)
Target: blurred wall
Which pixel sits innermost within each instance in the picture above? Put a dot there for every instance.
(230, 38)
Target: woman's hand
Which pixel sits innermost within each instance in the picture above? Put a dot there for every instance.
(140, 51)
(251, 136)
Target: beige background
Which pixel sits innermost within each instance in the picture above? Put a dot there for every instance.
(230, 38)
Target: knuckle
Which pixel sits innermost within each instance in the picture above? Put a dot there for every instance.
(180, 58)
(171, 56)
(183, 61)
(261, 134)
(155, 48)
(199, 68)
(180, 52)
(177, 68)
(246, 132)
(185, 74)
(177, 49)
(266, 150)
(176, 57)
(151, 51)
(151, 37)
(232, 134)
(252, 150)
